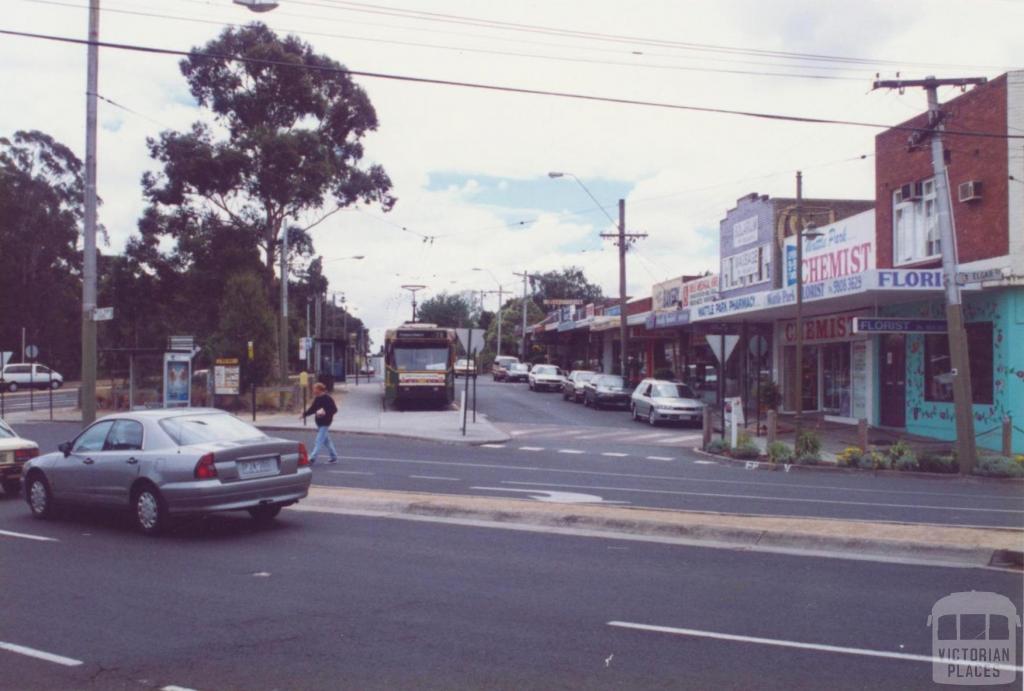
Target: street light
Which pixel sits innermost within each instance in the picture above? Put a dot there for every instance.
(810, 232)
(556, 174)
(500, 292)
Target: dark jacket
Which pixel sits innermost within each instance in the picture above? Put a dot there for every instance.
(325, 403)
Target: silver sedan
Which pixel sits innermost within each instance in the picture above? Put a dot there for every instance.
(175, 461)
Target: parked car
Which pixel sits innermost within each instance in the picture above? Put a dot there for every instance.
(545, 378)
(167, 462)
(572, 389)
(657, 400)
(606, 390)
(465, 367)
(499, 368)
(517, 372)
(15, 452)
(30, 374)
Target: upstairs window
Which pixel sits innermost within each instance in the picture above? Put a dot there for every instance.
(915, 223)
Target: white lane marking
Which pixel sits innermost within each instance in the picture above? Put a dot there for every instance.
(699, 462)
(531, 448)
(556, 497)
(614, 454)
(39, 654)
(648, 437)
(496, 466)
(866, 652)
(660, 458)
(434, 477)
(765, 498)
(518, 432)
(349, 472)
(679, 440)
(574, 452)
(176, 688)
(492, 446)
(27, 536)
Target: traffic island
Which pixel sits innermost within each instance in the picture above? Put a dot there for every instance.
(882, 541)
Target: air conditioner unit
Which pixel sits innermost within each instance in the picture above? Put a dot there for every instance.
(912, 191)
(969, 191)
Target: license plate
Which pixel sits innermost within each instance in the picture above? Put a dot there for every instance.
(257, 467)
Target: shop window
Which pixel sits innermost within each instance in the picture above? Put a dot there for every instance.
(916, 235)
(938, 379)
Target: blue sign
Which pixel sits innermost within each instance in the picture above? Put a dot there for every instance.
(888, 325)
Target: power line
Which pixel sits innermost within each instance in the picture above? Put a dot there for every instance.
(343, 5)
(497, 88)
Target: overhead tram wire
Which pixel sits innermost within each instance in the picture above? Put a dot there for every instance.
(500, 89)
(486, 51)
(345, 5)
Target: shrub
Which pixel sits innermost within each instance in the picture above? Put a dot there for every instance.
(746, 452)
(850, 457)
(771, 396)
(718, 446)
(902, 457)
(779, 452)
(808, 459)
(744, 439)
(998, 466)
(874, 460)
(808, 443)
(938, 463)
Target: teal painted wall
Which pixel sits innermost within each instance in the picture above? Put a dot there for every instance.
(1005, 309)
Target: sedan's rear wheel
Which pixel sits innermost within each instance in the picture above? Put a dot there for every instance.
(39, 497)
(264, 513)
(150, 510)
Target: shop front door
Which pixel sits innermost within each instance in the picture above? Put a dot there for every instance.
(893, 376)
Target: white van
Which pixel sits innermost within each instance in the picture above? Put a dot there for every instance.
(25, 374)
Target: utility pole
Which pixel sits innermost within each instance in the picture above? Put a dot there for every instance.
(966, 451)
(499, 292)
(623, 239)
(798, 417)
(88, 392)
(283, 355)
(525, 276)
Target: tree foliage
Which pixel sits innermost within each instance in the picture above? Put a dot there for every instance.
(41, 193)
(446, 309)
(567, 283)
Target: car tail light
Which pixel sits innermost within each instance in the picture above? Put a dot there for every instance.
(303, 456)
(205, 469)
(25, 454)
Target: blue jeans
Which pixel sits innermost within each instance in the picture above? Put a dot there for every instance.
(323, 440)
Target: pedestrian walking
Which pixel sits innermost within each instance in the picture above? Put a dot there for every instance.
(322, 409)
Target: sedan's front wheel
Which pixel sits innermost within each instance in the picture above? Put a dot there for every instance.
(150, 511)
(264, 513)
(651, 418)
(39, 497)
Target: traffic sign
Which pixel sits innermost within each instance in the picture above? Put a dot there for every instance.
(965, 277)
(31, 352)
(102, 314)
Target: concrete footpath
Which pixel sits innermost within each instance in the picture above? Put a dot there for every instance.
(876, 541)
(361, 411)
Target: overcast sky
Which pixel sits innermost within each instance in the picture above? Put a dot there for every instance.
(470, 166)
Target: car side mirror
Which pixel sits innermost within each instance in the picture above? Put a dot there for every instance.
(65, 448)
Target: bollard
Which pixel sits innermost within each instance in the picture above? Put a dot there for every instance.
(1007, 436)
(773, 425)
(706, 428)
(862, 434)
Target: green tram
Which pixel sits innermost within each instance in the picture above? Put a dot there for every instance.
(419, 365)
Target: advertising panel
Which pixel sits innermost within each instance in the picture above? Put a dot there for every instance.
(845, 248)
(744, 232)
(177, 380)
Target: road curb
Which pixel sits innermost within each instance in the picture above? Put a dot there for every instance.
(476, 441)
(952, 546)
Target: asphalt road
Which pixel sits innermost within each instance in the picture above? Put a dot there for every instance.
(326, 601)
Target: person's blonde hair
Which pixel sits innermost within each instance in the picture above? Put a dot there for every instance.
(319, 386)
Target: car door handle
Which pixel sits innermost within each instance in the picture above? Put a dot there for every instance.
(132, 461)
(88, 461)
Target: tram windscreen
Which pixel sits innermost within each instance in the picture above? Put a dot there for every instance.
(421, 358)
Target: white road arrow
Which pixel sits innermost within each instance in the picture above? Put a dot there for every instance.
(556, 497)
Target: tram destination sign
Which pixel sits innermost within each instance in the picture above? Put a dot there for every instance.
(891, 325)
